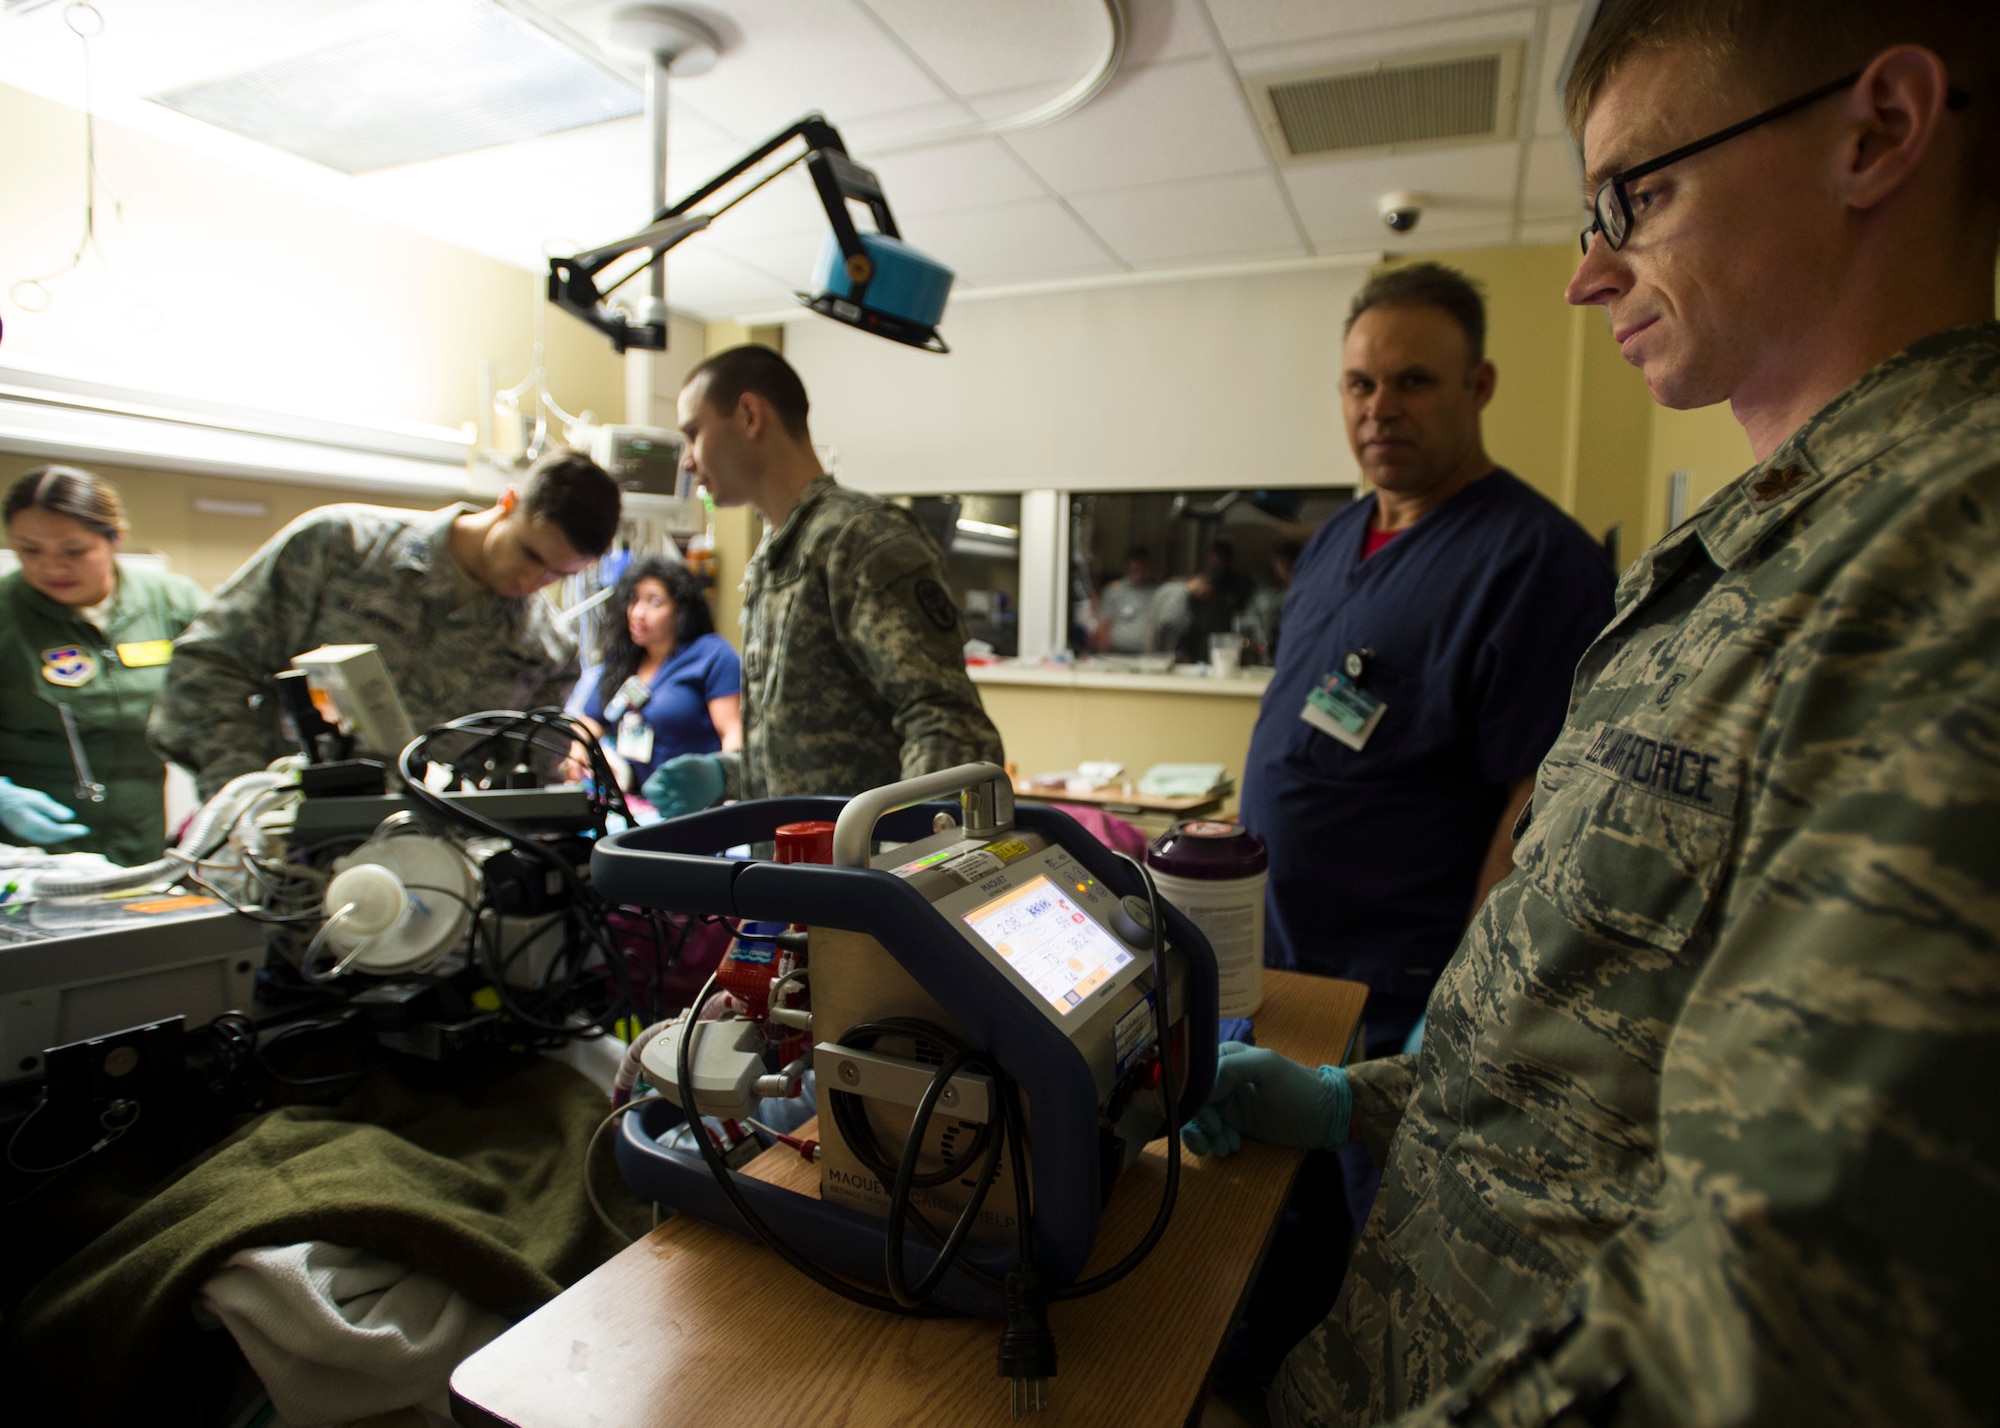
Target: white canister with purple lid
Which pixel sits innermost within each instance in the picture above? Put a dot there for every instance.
(1215, 873)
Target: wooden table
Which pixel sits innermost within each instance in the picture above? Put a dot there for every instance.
(693, 1325)
(1116, 800)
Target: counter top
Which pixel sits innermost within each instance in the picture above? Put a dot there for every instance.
(1247, 684)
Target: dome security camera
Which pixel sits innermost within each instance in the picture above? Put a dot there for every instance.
(1400, 210)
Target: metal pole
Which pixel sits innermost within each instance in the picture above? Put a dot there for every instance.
(656, 123)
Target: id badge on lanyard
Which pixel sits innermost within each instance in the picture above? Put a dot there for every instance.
(634, 743)
(1339, 706)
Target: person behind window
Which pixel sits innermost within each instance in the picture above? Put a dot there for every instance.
(1267, 606)
(1125, 608)
(665, 683)
(1207, 603)
(84, 637)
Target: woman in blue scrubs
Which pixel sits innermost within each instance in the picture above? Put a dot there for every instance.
(666, 683)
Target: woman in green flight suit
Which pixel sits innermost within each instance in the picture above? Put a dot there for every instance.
(81, 633)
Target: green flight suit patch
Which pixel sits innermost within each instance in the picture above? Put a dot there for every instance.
(68, 666)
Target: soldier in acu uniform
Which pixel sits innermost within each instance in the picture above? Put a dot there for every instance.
(853, 650)
(448, 596)
(1703, 1129)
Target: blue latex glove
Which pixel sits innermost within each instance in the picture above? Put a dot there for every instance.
(686, 783)
(32, 817)
(1269, 1097)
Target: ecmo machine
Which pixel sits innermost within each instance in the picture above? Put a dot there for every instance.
(988, 988)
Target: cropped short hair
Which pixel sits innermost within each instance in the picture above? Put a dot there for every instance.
(577, 496)
(752, 368)
(1428, 285)
(1774, 49)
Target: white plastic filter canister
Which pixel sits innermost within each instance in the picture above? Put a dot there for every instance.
(1215, 874)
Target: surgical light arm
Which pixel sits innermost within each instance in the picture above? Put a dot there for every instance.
(574, 281)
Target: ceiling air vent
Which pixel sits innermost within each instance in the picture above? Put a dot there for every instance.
(1444, 97)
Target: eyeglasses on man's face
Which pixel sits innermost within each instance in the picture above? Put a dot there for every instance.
(1612, 205)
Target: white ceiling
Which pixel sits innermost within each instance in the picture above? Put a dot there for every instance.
(1164, 169)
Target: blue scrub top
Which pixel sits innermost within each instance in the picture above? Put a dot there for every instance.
(678, 706)
(1477, 615)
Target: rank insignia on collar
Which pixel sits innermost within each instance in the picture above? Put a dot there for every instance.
(1775, 484)
(68, 666)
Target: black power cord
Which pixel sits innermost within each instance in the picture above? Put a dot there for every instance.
(712, 1155)
(1026, 1351)
(557, 735)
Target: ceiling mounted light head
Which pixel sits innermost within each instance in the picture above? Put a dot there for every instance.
(685, 44)
(873, 281)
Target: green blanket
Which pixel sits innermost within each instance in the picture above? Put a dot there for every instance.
(478, 1183)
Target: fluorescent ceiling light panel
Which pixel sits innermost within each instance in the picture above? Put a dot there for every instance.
(442, 77)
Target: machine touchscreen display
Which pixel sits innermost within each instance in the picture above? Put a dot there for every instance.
(1064, 954)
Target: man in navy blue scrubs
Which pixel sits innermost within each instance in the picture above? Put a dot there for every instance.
(1431, 631)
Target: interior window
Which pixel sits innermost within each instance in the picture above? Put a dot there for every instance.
(981, 540)
(1155, 574)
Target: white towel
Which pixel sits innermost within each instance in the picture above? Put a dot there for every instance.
(338, 1334)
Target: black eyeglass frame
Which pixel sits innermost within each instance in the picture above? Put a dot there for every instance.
(1615, 186)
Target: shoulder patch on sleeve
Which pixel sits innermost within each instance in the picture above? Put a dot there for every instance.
(936, 603)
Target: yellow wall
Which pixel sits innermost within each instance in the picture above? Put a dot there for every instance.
(1707, 443)
(1046, 730)
(201, 545)
(737, 528)
(1529, 338)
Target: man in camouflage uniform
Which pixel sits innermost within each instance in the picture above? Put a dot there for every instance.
(1703, 1126)
(448, 596)
(853, 650)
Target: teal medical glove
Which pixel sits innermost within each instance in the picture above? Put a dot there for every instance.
(31, 816)
(1269, 1097)
(687, 783)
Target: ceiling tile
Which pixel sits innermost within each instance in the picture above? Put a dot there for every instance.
(788, 257)
(1165, 166)
(1165, 30)
(1170, 121)
(1245, 24)
(710, 284)
(966, 175)
(1554, 230)
(789, 205)
(1469, 189)
(1555, 186)
(1481, 234)
(976, 46)
(1239, 216)
(1548, 99)
(790, 56)
(1009, 243)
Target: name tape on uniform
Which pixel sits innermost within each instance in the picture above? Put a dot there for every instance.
(1681, 772)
